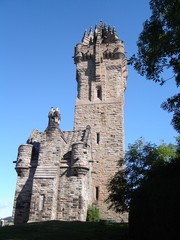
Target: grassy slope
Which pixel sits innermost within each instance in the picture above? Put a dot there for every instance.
(52, 230)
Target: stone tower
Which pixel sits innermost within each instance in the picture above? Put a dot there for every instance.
(101, 73)
(61, 173)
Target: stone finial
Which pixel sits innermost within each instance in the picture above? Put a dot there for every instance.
(85, 39)
(54, 117)
(91, 35)
(95, 31)
(91, 31)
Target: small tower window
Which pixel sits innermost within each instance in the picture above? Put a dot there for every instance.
(97, 193)
(97, 138)
(41, 202)
(99, 92)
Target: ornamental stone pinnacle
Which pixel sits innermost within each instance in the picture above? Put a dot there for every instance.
(61, 173)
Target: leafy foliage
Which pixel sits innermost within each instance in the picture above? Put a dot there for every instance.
(173, 105)
(159, 49)
(141, 159)
(93, 213)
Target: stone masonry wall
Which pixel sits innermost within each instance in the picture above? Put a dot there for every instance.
(105, 120)
(46, 178)
(73, 198)
(75, 187)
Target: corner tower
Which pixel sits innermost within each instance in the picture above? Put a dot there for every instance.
(101, 73)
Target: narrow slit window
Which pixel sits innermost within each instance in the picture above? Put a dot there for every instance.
(41, 202)
(97, 193)
(99, 92)
(97, 138)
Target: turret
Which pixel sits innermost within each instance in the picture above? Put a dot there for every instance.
(80, 155)
(24, 159)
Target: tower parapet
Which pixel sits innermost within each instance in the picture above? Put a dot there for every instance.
(96, 56)
(102, 35)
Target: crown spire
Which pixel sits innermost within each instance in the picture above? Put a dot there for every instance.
(102, 32)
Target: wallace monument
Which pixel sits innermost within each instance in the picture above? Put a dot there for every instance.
(61, 173)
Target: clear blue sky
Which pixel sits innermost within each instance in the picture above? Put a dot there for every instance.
(37, 40)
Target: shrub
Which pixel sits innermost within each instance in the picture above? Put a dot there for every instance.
(93, 213)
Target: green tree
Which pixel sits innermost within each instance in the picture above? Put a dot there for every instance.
(159, 50)
(141, 159)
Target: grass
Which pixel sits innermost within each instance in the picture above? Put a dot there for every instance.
(52, 230)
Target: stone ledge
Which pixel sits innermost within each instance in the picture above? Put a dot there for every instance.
(46, 172)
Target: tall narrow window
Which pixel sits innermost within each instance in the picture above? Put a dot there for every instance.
(97, 138)
(41, 202)
(97, 193)
(99, 92)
